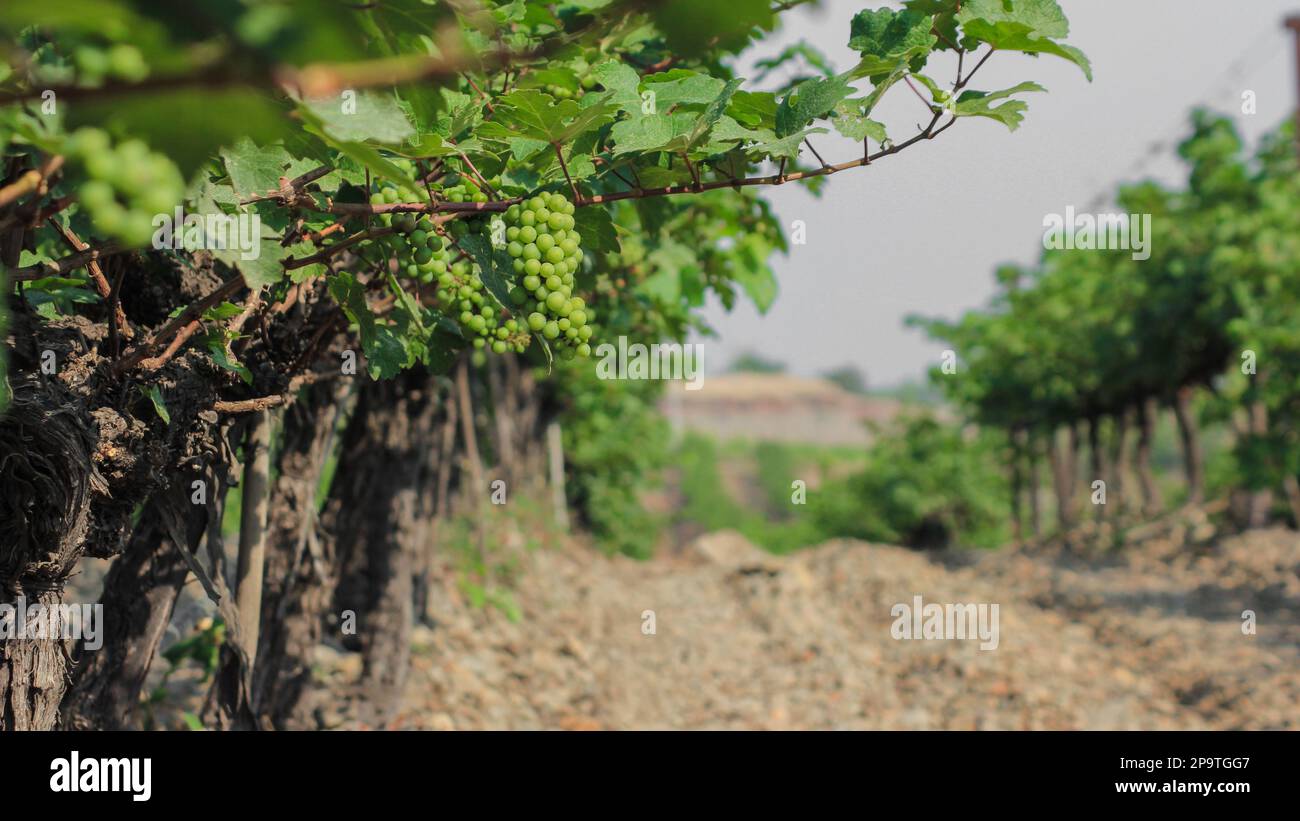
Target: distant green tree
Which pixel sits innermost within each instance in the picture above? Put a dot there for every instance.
(927, 484)
(847, 377)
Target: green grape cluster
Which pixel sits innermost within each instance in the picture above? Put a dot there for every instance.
(547, 252)
(461, 294)
(390, 193)
(423, 255)
(121, 61)
(129, 184)
(420, 251)
(586, 82)
(464, 190)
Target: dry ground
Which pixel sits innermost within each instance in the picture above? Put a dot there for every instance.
(1149, 637)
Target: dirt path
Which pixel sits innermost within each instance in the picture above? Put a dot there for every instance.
(1148, 638)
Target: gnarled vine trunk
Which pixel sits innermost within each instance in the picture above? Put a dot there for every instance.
(299, 578)
(45, 497)
(1064, 474)
(78, 453)
(1146, 417)
(1193, 462)
(379, 527)
(139, 596)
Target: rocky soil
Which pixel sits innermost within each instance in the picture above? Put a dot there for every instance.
(1148, 637)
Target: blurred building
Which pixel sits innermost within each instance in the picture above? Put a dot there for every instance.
(775, 407)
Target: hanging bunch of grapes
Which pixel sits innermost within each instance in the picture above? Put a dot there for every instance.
(586, 80)
(423, 255)
(420, 252)
(463, 189)
(542, 242)
(129, 184)
(547, 252)
(461, 289)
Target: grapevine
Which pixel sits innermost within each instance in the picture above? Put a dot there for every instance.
(391, 193)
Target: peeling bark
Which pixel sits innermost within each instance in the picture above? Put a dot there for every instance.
(139, 597)
(374, 517)
(48, 484)
(299, 579)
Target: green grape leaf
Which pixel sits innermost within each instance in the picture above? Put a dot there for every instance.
(674, 264)
(386, 355)
(810, 100)
(653, 132)
(682, 87)
(944, 13)
(713, 112)
(368, 116)
(363, 154)
(559, 76)
(217, 348)
(753, 109)
(656, 176)
(787, 146)
(852, 121)
(222, 312)
(256, 171)
(759, 285)
(465, 113)
(426, 145)
(441, 349)
(596, 112)
(530, 113)
(1030, 26)
(160, 407)
(887, 39)
(980, 104)
(728, 131)
(596, 227)
(252, 239)
(622, 83)
(495, 266)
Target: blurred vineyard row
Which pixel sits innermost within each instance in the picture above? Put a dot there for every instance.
(1147, 383)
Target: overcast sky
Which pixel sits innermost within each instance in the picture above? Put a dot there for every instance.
(922, 231)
